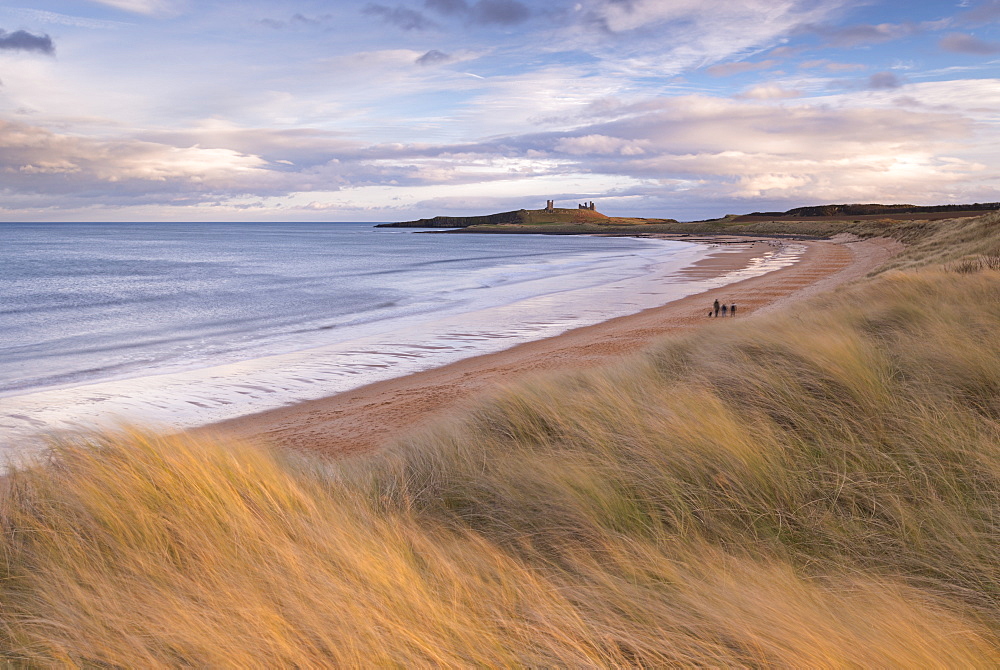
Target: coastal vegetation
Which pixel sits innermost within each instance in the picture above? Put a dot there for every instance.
(902, 222)
(556, 216)
(819, 488)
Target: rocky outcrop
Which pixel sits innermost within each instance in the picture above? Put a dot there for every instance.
(519, 216)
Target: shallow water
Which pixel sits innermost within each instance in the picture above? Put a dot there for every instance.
(184, 324)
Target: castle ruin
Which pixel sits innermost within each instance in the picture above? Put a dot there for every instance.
(550, 206)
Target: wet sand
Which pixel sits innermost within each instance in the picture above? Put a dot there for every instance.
(372, 416)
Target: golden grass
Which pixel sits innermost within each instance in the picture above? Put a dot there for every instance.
(820, 489)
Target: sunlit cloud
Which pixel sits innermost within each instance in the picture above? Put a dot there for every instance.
(148, 7)
(769, 92)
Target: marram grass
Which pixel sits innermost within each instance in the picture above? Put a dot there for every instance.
(820, 489)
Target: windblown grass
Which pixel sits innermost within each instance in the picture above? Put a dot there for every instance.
(820, 489)
(976, 264)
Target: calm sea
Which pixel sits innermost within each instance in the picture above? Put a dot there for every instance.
(183, 323)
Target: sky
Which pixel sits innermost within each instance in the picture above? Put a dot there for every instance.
(309, 110)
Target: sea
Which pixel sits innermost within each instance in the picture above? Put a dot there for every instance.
(174, 325)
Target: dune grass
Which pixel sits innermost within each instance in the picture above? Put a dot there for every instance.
(817, 489)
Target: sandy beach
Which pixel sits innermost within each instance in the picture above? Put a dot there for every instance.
(372, 416)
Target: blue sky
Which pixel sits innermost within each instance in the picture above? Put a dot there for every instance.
(133, 110)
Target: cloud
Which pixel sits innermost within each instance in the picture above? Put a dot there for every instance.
(884, 80)
(303, 147)
(831, 66)
(297, 19)
(500, 12)
(401, 17)
(21, 40)
(42, 16)
(447, 7)
(768, 92)
(703, 150)
(220, 163)
(600, 144)
(702, 124)
(712, 150)
(967, 44)
(692, 17)
(37, 160)
(784, 52)
(987, 12)
(433, 57)
(148, 7)
(852, 36)
(671, 37)
(310, 21)
(483, 12)
(729, 69)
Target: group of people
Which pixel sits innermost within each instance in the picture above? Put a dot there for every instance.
(726, 311)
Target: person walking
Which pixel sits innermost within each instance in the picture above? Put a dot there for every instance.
(723, 311)
(716, 307)
(732, 310)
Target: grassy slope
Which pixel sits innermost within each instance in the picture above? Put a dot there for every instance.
(564, 221)
(818, 489)
(541, 217)
(907, 231)
(525, 218)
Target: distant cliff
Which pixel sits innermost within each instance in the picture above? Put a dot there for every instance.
(519, 216)
(863, 210)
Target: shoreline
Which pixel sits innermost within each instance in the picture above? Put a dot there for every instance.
(370, 417)
(186, 399)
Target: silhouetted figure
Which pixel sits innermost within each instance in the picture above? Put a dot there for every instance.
(732, 310)
(723, 311)
(716, 307)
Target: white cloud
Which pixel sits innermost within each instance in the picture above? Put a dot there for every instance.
(858, 147)
(673, 36)
(148, 7)
(55, 18)
(553, 97)
(49, 167)
(34, 159)
(729, 69)
(769, 92)
(600, 144)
